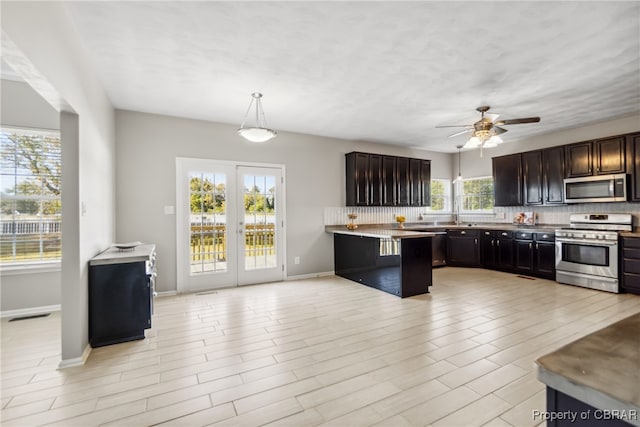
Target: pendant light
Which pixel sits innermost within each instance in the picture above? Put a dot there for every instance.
(260, 132)
(459, 178)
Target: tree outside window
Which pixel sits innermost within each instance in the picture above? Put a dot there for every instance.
(441, 195)
(30, 189)
(477, 194)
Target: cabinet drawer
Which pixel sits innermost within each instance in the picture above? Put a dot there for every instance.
(631, 282)
(631, 266)
(545, 237)
(468, 233)
(523, 235)
(629, 253)
(631, 242)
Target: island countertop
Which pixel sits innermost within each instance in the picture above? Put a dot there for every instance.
(381, 232)
(114, 255)
(601, 369)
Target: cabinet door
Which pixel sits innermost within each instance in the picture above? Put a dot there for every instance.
(357, 179)
(524, 256)
(402, 181)
(609, 155)
(507, 180)
(462, 249)
(375, 180)
(415, 182)
(389, 189)
(425, 179)
(532, 177)
(579, 159)
(439, 250)
(633, 160)
(487, 250)
(545, 260)
(504, 251)
(553, 175)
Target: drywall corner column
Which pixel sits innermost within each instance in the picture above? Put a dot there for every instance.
(75, 317)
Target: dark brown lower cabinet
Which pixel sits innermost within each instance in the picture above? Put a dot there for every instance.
(462, 248)
(535, 254)
(631, 264)
(439, 250)
(523, 247)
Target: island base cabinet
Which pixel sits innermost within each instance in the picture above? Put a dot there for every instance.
(570, 412)
(401, 268)
(119, 303)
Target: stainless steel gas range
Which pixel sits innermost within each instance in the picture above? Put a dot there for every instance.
(587, 251)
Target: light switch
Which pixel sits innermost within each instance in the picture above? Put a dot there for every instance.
(169, 210)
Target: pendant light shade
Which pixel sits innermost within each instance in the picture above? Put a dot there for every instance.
(260, 132)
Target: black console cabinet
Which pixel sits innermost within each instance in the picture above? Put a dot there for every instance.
(120, 295)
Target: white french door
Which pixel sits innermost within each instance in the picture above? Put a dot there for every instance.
(230, 224)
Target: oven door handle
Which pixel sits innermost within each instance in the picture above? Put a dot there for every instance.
(588, 242)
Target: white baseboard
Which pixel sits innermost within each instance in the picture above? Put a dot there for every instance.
(309, 276)
(76, 361)
(166, 293)
(31, 311)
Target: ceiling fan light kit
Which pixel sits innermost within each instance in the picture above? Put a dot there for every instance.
(484, 132)
(260, 132)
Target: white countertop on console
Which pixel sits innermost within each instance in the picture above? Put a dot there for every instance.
(114, 255)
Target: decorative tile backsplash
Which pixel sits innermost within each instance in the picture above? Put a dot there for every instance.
(544, 214)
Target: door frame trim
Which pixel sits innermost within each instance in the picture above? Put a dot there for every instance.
(180, 194)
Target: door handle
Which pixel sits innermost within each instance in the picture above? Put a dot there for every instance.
(498, 242)
(530, 246)
(493, 242)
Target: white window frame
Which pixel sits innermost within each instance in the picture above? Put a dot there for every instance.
(41, 265)
(447, 197)
(460, 192)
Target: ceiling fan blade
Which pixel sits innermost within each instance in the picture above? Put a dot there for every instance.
(499, 130)
(460, 133)
(517, 121)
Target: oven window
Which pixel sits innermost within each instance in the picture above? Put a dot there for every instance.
(585, 254)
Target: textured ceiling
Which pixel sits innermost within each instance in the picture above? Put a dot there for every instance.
(377, 71)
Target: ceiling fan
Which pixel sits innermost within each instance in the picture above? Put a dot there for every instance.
(488, 125)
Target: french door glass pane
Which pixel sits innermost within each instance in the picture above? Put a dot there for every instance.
(208, 237)
(259, 220)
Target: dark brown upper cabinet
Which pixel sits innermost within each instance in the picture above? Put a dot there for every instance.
(377, 180)
(507, 180)
(579, 158)
(543, 176)
(600, 157)
(633, 156)
(532, 177)
(609, 155)
(357, 179)
(402, 181)
(553, 175)
(389, 190)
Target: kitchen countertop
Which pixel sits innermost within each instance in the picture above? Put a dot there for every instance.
(414, 230)
(633, 233)
(601, 369)
(114, 255)
(380, 232)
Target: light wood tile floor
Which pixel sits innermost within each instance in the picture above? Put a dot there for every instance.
(323, 351)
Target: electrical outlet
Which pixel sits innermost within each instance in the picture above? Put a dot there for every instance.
(169, 210)
(296, 260)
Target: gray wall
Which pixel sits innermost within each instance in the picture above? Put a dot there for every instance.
(53, 61)
(23, 107)
(147, 146)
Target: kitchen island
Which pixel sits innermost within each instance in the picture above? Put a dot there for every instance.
(595, 380)
(392, 260)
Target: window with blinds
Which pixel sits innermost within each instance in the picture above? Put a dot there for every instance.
(30, 204)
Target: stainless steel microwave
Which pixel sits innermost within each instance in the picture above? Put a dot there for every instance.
(599, 188)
